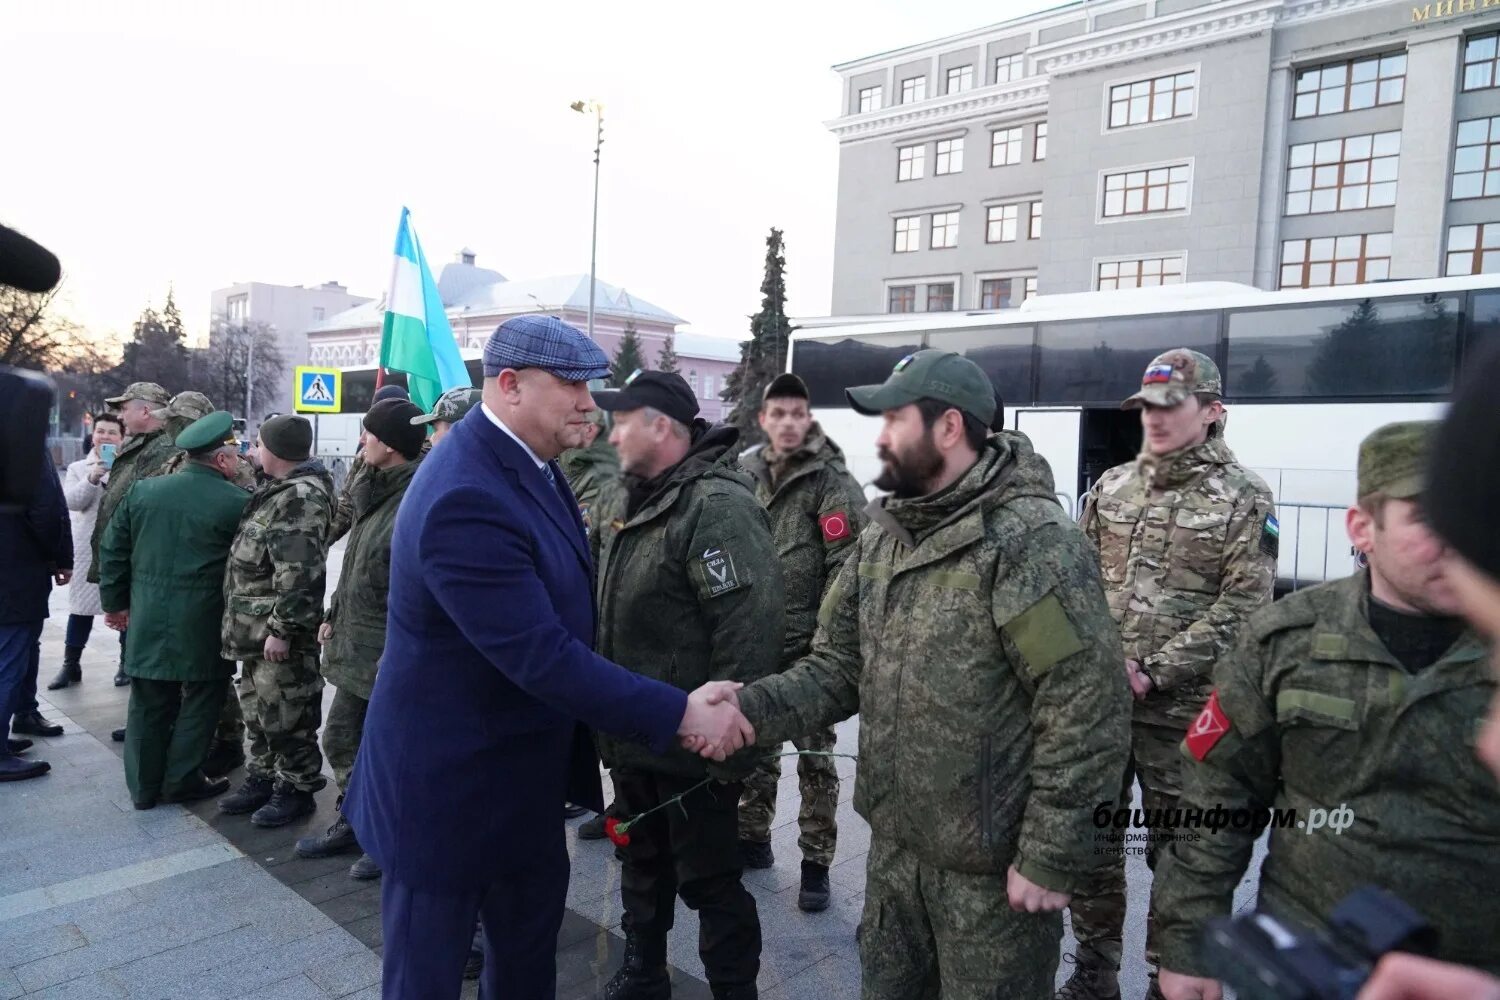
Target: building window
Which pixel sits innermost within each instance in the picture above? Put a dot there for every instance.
(950, 157)
(1349, 86)
(994, 293)
(940, 297)
(1473, 249)
(237, 308)
(944, 230)
(913, 89)
(317, 314)
(1005, 147)
(692, 381)
(1034, 225)
(1341, 174)
(869, 99)
(1476, 164)
(1039, 142)
(908, 234)
(1141, 192)
(1480, 60)
(901, 299)
(1028, 288)
(1156, 100)
(708, 387)
(1140, 273)
(1335, 260)
(910, 162)
(960, 79)
(1008, 68)
(1001, 222)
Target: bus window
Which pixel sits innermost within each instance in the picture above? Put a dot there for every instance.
(1004, 352)
(1373, 347)
(359, 388)
(1484, 323)
(830, 367)
(1100, 361)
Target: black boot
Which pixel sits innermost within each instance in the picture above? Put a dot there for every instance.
(365, 869)
(13, 768)
(118, 735)
(734, 991)
(223, 756)
(120, 678)
(17, 746)
(592, 829)
(250, 796)
(32, 724)
(286, 804)
(1093, 978)
(203, 787)
(71, 672)
(814, 896)
(337, 839)
(754, 854)
(643, 974)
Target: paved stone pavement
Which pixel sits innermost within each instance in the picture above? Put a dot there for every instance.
(100, 900)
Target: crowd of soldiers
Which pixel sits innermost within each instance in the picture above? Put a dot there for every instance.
(1016, 673)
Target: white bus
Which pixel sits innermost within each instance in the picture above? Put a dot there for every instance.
(1307, 374)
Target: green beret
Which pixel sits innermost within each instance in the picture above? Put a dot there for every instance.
(1393, 460)
(207, 433)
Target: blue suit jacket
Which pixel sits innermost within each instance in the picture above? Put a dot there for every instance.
(473, 739)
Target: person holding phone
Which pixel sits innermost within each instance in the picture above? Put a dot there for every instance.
(83, 485)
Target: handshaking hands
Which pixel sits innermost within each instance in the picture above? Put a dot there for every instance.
(712, 726)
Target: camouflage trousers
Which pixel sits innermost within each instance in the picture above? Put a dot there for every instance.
(931, 932)
(341, 734)
(817, 780)
(1098, 910)
(283, 706)
(231, 728)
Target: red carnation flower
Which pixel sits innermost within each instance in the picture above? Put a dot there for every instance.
(616, 831)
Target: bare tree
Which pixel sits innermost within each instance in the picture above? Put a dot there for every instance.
(32, 334)
(220, 370)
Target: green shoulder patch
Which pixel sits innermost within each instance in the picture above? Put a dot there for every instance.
(1043, 635)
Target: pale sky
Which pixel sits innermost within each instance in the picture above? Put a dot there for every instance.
(203, 143)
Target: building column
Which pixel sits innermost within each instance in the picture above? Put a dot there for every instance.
(1427, 135)
(1273, 181)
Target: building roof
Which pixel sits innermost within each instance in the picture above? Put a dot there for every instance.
(459, 279)
(701, 345)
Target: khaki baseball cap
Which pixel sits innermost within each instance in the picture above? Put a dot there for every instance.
(1393, 459)
(189, 405)
(929, 374)
(149, 391)
(1172, 377)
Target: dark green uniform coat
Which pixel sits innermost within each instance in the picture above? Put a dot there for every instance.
(358, 609)
(163, 559)
(593, 475)
(143, 456)
(689, 591)
(1311, 711)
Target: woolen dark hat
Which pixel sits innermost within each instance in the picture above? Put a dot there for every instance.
(1463, 472)
(666, 392)
(391, 391)
(390, 420)
(288, 437)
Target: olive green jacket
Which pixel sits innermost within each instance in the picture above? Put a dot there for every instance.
(143, 456)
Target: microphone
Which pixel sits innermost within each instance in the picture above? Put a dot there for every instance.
(25, 264)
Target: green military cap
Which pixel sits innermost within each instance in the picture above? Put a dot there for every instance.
(188, 405)
(450, 406)
(1172, 377)
(929, 374)
(207, 433)
(1393, 459)
(149, 391)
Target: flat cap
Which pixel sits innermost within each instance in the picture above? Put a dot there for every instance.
(149, 391)
(544, 342)
(186, 405)
(1172, 377)
(214, 430)
(1393, 459)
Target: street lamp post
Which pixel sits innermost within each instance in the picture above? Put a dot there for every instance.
(583, 108)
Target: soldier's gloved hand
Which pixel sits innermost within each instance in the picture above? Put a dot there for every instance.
(325, 632)
(1408, 977)
(277, 650)
(1176, 986)
(1028, 897)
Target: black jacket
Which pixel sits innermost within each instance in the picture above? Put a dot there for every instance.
(35, 543)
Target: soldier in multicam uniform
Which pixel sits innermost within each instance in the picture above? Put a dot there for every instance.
(969, 630)
(1187, 549)
(273, 604)
(817, 511)
(1361, 699)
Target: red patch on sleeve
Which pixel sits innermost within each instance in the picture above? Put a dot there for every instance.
(835, 525)
(1208, 728)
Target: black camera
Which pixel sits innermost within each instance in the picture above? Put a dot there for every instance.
(1266, 958)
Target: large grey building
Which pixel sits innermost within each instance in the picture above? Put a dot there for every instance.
(1115, 143)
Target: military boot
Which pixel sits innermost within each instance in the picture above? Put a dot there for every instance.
(592, 829)
(121, 678)
(643, 974)
(365, 869)
(814, 895)
(286, 804)
(754, 854)
(1092, 979)
(735, 991)
(71, 672)
(250, 796)
(337, 839)
(223, 756)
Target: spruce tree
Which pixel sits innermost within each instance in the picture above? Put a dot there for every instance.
(764, 355)
(628, 357)
(666, 361)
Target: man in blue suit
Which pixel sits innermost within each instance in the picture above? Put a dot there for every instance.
(475, 734)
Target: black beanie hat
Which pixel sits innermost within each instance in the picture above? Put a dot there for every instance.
(289, 437)
(1463, 479)
(392, 391)
(390, 421)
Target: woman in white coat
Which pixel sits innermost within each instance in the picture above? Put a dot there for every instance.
(82, 487)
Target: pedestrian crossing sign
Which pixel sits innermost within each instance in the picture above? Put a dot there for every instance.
(318, 390)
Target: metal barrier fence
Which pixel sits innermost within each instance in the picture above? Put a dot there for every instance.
(1314, 542)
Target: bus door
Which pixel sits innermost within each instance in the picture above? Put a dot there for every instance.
(1054, 435)
(1108, 436)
